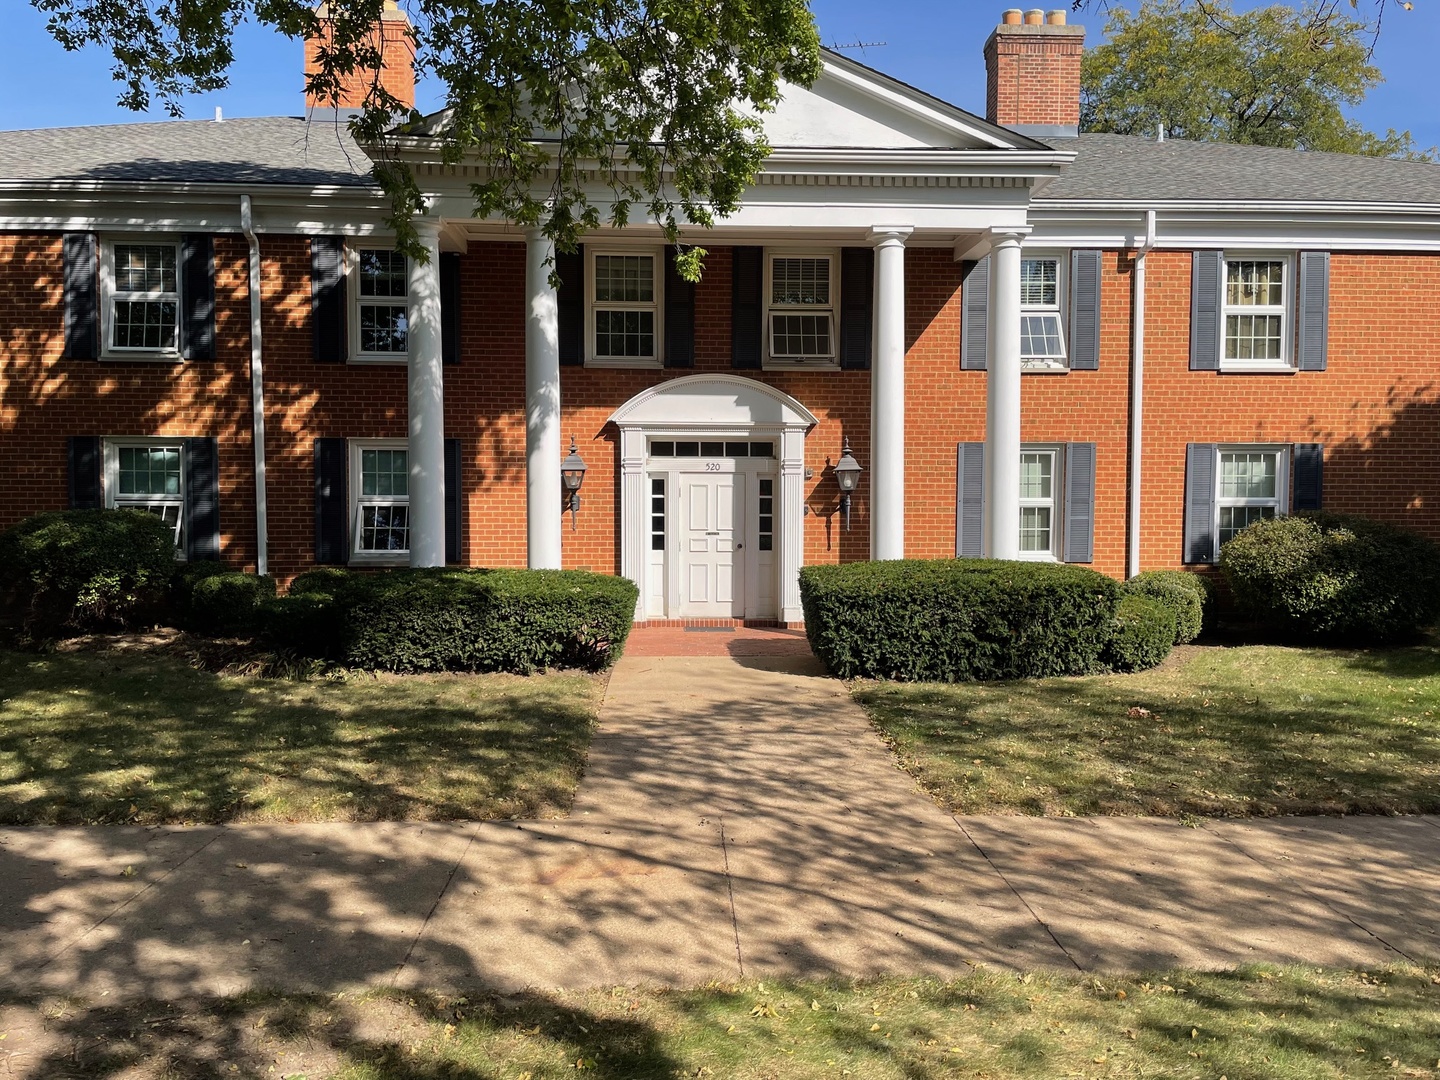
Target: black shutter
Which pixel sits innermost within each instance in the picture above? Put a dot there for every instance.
(857, 307)
(570, 302)
(970, 501)
(679, 316)
(327, 299)
(453, 500)
(1199, 503)
(197, 296)
(84, 470)
(82, 296)
(1205, 335)
(1084, 315)
(202, 500)
(1314, 337)
(747, 309)
(975, 315)
(450, 307)
(1080, 502)
(1309, 459)
(332, 508)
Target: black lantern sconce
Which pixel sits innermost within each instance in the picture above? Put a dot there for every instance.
(847, 477)
(572, 475)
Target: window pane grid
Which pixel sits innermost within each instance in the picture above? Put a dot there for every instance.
(628, 334)
(149, 470)
(1234, 519)
(801, 336)
(1035, 529)
(383, 273)
(145, 308)
(384, 328)
(1040, 282)
(1249, 490)
(760, 448)
(1040, 338)
(383, 513)
(1254, 283)
(800, 281)
(1037, 502)
(145, 268)
(766, 526)
(657, 514)
(385, 527)
(622, 279)
(1255, 309)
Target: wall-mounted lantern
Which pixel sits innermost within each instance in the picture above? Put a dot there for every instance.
(847, 477)
(572, 475)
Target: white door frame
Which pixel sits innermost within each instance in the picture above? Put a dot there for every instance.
(715, 407)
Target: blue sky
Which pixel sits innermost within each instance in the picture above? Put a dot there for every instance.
(932, 44)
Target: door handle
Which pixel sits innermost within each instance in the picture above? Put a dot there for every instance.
(739, 546)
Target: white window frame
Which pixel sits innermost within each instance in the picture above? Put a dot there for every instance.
(1055, 503)
(1281, 499)
(111, 447)
(109, 294)
(811, 363)
(1286, 311)
(356, 302)
(358, 555)
(655, 305)
(1059, 309)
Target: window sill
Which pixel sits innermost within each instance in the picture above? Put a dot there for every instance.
(141, 356)
(625, 365)
(800, 365)
(371, 558)
(380, 361)
(1037, 367)
(1232, 367)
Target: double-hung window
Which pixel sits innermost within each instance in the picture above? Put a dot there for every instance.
(624, 308)
(142, 311)
(1256, 304)
(801, 300)
(1042, 334)
(381, 298)
(1251, 485)
(380, 494)
(1039, 531)
(148, 476)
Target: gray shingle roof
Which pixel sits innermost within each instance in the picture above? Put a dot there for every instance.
(1129, 167)
(264, 150)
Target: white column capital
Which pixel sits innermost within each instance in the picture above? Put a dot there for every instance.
(427, 226)
(1007, 235)
(890, 235)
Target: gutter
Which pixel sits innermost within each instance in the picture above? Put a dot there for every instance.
(1137, 394)
(257, 390)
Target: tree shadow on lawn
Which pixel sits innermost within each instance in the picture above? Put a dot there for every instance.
(121, 737)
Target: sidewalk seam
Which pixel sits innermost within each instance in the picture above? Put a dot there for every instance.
(730, 889)
(420, 934)
(1018, 895)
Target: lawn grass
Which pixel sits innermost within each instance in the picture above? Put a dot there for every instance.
(1249, 730)
(140, 735)
(1259, 1022)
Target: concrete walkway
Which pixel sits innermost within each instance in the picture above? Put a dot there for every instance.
(738, 820)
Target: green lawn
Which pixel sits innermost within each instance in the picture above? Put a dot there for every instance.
(140, 735)
(1252, 730)
(1259, 1023)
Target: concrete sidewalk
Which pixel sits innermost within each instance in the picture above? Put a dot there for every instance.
(738, 819)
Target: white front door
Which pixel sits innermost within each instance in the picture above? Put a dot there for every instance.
(712, 542)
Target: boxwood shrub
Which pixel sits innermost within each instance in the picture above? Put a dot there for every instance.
(456, 620)
(79, 570)
(1144, 632)
(1330, 577)
(1183, 593)
(954, 620)
(212, 598)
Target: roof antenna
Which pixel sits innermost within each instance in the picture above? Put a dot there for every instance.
(857, 44)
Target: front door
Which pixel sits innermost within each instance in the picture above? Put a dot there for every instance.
(712, 542)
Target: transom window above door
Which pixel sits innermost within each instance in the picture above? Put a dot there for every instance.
(382, 304)
(683, 448)
(800, 298)
(624, 308)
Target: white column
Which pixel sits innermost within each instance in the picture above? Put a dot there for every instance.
(426, 404)
(543, 512)
(1002, 399)
(887, 397)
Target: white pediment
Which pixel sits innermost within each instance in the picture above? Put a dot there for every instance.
(712, 401)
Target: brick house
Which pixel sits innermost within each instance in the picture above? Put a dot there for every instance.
(1100, 349)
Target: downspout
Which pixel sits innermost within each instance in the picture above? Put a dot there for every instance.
(257, 390)
(1137, 394)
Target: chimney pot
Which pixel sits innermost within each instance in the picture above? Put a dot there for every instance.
(1011, 17)
(1034, 17)
(1056, 17)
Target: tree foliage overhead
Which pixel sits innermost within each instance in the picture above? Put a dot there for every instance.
(1280, 75)
(656, 101)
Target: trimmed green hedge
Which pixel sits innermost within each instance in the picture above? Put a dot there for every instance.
(1183, 593)
(212, 598)
(1330, 577)
(1143, 634)
(957, 620)
(78, 570)
(455, 620)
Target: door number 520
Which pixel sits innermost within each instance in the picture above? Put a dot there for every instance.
(712, 466)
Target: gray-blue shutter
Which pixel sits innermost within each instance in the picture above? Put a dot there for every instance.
(1080, 502)
(857, 306)
(450, 302)
(81, 278)
(1314, 338)
(747, 309)
(453, 500)
(202, 500)
(332, 507)
(570, 305)
(974, 315)
(83, 452)
(197, 296)
(1205, 335)
(970, 501)
(1199, 503)
(1309, 460)
(679, 315)
(327, 299)
(1084, 314)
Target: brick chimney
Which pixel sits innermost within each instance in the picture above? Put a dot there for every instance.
(397, 63)
(1032, 67)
